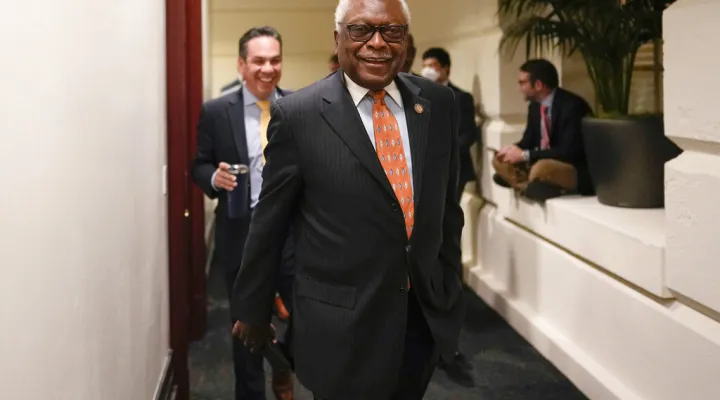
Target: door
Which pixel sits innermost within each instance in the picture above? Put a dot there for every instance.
(186, 244)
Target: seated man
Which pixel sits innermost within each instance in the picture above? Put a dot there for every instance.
(549, 160)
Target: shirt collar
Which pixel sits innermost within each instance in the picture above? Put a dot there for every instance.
(547, 102)
(250, 99)
(358, 92)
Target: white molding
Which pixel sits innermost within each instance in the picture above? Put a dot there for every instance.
(629, 243)
(610, 340)
(583, 371)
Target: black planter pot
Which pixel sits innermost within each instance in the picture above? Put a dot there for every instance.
(626, 160)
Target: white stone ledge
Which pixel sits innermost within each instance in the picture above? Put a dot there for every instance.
(498, 134)
(490, 191)
(610, 340)
(629, 243)
(626, 243)
(692, 190)
(471, 206)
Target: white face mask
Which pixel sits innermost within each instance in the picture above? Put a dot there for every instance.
(430, 73)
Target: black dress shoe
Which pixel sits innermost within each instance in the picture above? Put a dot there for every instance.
(541, 191)
(500, 181)
(458, 370)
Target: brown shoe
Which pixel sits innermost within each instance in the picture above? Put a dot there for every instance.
(282, 385)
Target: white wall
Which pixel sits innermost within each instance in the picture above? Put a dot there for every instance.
(83, 282)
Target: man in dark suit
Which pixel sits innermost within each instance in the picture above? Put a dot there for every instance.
(365, 162)
(232, 130)
(409, 55)
(436, 67)
(549, 160)
(333, 63)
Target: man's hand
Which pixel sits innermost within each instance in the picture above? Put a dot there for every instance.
(224, 179)
(512, 154)
(501, 154)
(254, 337)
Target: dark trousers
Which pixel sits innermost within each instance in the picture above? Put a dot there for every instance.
(461, 188)
(550, 171)
(419, 358)
(248, 367)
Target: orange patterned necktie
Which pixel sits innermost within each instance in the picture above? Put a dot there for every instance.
(389, 147)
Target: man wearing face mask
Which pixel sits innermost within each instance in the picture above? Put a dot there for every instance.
(365, 162)
(233, 130)
(436, 67)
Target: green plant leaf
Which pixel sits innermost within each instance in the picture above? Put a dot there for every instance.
(608, 34)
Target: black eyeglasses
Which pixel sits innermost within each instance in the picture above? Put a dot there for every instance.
(389, 33)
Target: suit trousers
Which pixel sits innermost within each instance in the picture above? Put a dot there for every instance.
(420, 356)
(554, 172)
(248, 367)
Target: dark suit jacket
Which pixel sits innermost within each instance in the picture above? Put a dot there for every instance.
(566, 141)
(352, 253)
(468, 134)
(221, 137)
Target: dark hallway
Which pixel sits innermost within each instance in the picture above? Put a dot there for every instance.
(498, 364)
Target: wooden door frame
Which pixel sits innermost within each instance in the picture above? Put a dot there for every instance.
(186, 243)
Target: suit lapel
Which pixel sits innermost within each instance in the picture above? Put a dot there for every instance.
(236, 116)
(340, 113)
(417, 115)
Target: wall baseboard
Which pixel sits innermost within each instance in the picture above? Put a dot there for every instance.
(167, 387)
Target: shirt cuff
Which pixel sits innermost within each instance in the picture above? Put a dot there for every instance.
(212, 181)
(526, 155)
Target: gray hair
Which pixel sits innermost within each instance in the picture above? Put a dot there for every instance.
(344, 6)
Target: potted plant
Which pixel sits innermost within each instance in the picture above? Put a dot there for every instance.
(625, 153)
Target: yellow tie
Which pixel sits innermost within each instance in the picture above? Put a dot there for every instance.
(264, 121)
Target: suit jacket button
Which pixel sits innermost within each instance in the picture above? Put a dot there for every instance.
(407, 248)
(403, 290)
(395, 207)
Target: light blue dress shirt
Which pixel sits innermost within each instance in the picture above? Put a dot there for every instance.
(547, 102)
(254, 143)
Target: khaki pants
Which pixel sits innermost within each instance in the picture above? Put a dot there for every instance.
(554, 172)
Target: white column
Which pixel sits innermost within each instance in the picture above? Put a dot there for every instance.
(692, 181)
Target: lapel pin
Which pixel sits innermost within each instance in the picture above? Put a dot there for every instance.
(419, 108)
